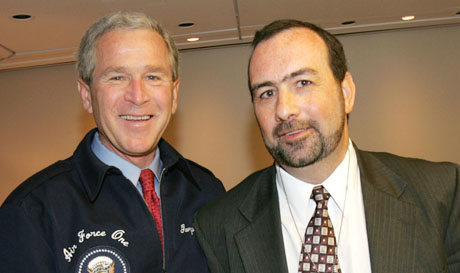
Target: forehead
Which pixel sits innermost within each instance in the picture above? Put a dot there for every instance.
(288, 51)
(120, 44)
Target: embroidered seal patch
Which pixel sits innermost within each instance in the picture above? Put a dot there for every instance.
(102, 259)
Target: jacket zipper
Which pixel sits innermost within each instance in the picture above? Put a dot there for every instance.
(162, 225)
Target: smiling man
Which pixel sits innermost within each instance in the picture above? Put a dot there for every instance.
(125, 200)
(325, 205)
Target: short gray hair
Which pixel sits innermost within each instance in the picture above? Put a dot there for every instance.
(120, 20)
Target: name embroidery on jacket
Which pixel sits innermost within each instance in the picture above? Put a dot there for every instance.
(184, 229)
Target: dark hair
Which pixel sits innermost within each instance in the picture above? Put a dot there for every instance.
(337, 60)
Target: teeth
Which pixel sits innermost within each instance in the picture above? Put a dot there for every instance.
(294, 132)
(128, 117)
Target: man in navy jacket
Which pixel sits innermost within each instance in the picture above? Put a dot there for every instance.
(87, 213)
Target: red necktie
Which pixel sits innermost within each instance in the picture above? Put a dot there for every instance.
(151, 198)
(319, 251)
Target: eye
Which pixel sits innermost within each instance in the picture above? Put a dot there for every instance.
(152, 77)
(266, 94)
(303, 83)
(116, 78)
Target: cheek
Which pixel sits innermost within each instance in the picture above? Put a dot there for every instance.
(163, 98)
(264, 120)
(321, 109)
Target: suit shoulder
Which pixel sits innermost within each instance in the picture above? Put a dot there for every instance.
(412, 167)
(40, 179)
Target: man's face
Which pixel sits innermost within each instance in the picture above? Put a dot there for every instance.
(299, 105)
(132, 95)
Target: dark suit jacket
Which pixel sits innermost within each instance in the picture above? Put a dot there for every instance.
(412, 212)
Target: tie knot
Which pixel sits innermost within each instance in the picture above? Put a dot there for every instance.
(320, 194)
(147, 180)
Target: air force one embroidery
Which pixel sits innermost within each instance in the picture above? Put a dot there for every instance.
(102, 259)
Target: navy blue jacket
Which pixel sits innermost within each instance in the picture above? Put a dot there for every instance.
(81, 214)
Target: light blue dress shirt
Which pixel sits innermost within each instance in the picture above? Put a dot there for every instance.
(129, 170)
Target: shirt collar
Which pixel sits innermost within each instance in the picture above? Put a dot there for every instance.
(129, 170)
(342, 177)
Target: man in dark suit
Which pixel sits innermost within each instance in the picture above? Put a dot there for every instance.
(325, 205)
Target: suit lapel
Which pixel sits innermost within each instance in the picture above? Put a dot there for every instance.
(390, 220)
(260, 243)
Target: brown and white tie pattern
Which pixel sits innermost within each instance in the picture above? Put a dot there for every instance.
(319, 250)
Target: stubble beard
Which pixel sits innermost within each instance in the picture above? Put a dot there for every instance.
(305, 151)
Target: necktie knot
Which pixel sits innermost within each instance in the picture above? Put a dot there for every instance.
(147, 179)
(320, 195)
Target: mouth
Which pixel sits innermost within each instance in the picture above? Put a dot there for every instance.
(136, 118)
(291, 133)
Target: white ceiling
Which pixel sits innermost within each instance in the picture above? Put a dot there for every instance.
(53, 33)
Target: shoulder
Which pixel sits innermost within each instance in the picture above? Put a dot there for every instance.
(206, 179)
(422, 181)
(41, 182)
(199, 169)
(231, 200)
(409, 167)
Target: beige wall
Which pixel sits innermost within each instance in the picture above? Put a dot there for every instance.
(407, 103)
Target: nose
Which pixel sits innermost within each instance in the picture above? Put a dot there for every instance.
(287, 105)
(136, 92)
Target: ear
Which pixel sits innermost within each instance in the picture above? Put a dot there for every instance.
(175, 94)
(85, 95)
(348, 91)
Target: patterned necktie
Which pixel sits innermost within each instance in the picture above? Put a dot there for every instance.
(151, 198)
(319, 251)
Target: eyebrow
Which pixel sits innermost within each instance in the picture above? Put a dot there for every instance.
(122, 69)
(294, 74)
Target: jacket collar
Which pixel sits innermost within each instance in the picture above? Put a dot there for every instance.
(173, 159)
(391, 216)
(89, 169)
(376, 174)
(92, 172)
(262, 240)
(262, 193)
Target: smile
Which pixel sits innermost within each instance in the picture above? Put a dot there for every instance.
(136, 118)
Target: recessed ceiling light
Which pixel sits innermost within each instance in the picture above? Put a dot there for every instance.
(21, 17)
(186, 24)
(193, 39)
(408, 18)
(348, 22)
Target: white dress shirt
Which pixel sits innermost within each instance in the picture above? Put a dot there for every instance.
(346, 210)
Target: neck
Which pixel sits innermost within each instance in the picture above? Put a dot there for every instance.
(318, 172)
(141, 161)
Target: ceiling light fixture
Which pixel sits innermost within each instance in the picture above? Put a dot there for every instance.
(408, 18)
(193, 39)
(348, 22)
(186, 24)
(21, 17)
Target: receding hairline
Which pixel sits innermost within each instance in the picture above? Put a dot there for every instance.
(294, 28)
(127, 30)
